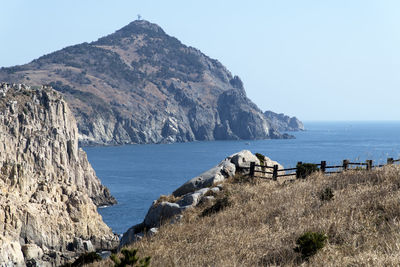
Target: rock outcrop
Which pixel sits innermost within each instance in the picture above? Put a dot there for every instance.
(48, 189)
(194, 192)
(140, 85)
(281, 122)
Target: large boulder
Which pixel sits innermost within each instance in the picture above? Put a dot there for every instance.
(225, 169)
(159, 212)
(192, 199)
(243, 159)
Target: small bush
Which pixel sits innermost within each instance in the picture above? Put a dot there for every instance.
(130, 258)
(327, 194)
(219, 205)
(260, 158)
(309, 243)
(305, 169)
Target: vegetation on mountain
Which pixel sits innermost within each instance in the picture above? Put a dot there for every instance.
(140, 85)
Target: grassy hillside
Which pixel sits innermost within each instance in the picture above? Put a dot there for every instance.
(264, 219)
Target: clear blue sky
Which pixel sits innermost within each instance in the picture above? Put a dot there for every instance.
(318, 60)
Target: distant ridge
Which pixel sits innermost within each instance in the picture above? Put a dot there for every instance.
(140, 85)
(282, 122)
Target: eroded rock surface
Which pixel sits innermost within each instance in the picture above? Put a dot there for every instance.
(48, 190)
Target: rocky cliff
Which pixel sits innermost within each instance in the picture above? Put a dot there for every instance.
(281, 122)
(140, 85)
(49, 191)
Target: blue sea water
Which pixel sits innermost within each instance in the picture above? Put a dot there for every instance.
(138, 174)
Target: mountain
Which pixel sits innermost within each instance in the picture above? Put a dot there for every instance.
(48, 189)
(281, 122)
(140, 85)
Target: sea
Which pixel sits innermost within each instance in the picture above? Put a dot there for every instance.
(138, 174)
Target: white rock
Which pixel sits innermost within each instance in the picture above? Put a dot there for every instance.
(152, 231)
(215, 190)
(32, 251)
(243, 159)
(88, 246)
(11, 254)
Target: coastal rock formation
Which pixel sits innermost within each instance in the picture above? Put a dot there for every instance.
(140, 85)
(48, 190)
(281, 122)
(194, 192)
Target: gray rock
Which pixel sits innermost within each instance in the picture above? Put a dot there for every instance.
(203, 180)
(160, 212)
(225, 169)
(130, 236)
(88, 247)
(78, 244)
(192, 199)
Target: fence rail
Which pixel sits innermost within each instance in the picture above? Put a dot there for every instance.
(367, 165)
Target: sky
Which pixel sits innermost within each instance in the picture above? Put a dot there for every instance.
(316, 60)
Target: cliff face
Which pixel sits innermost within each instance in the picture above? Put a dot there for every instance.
(281, 122)
(140, 85)
(48, 188)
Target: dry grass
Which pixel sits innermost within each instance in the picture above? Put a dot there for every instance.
(264, 219)
(168, 198)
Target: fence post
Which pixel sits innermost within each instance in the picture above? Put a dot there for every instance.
(345, 164)
(275, 173)
(369, 165)
(390, 161)
(323, 166)
(252, 168)
(297, 169)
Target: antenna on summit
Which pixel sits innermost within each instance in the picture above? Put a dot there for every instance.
(139, 17)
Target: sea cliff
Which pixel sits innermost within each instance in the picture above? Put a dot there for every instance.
(49, 191)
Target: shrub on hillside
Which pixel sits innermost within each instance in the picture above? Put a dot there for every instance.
(309, 243)
(327, 194)
(219, 205)
(260, 158)
(305, 169)
(130, 258)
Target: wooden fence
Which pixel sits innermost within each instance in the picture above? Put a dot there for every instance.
(274, 170)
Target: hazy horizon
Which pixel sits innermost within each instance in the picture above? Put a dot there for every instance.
(318, 61)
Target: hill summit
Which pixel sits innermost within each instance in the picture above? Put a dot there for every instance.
(140, 85)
